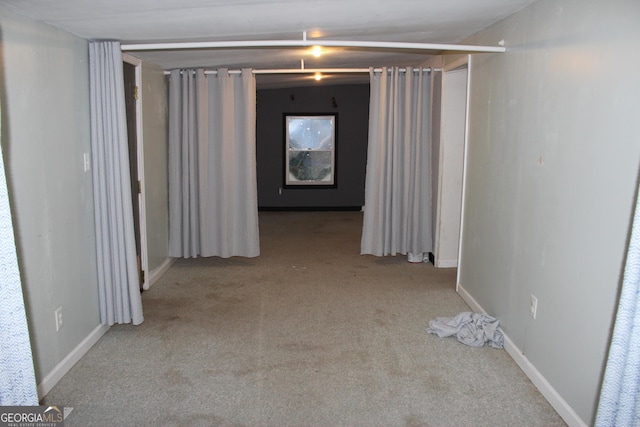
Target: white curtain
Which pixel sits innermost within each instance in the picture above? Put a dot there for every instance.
(118, 283)
(620, 394)
(17, 377)
(397, 212)
(213, 201)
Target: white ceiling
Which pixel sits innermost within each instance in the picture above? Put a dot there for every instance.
(148, 21)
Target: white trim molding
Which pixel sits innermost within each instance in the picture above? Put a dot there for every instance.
(71, 359)
(447, 263)
(156, 273)
(546, 389)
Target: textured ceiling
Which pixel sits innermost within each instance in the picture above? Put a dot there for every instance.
(148, 21)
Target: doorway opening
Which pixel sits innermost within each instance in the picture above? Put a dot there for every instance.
(132, 82)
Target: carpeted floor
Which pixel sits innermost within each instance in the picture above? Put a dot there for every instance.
(308, 334)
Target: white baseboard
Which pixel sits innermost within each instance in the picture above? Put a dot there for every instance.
(71, 359)
(446, 263)
(546, 389)
(156, 273)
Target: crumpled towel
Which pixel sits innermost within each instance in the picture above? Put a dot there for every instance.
(469, 328)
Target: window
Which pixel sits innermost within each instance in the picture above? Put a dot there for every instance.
(310, 150)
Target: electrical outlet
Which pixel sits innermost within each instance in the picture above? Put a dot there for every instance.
(58, 314)
(533, 306)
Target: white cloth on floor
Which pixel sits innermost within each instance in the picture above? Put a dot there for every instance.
(474, 329)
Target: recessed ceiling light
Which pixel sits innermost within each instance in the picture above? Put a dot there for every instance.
(316, 51)
(318, 76)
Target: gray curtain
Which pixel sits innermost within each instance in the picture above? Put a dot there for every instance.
(118, 283)
(397, 212)
(619, 403)
(17, 376)
(213, 200)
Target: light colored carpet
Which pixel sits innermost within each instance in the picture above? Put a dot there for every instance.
(308, 334)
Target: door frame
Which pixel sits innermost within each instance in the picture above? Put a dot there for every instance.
(454, 66)
(144, 258)
(466, 61)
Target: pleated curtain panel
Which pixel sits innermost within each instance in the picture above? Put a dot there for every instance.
(118, 283)
(397, 211)
(619, 403)
(213, 201)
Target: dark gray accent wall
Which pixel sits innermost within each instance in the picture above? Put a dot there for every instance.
(351, 104)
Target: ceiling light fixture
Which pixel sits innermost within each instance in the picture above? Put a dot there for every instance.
(317, 76)
(316, 51)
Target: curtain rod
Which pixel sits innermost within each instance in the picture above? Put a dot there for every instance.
(304, 42)
(316, 70)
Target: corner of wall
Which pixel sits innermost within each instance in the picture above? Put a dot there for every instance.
(546, 389)
(65, 365)
(158, 272)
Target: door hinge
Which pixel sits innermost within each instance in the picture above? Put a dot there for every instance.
(139, 187)
(142, 276)
(135, 93)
